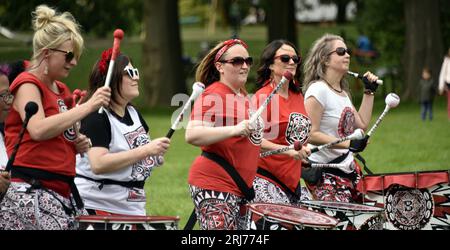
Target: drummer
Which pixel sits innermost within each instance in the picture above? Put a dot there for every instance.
(328, 103)
(111, 178)
(278, 176)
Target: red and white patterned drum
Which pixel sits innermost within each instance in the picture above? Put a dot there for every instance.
(412, 201)
(268, 216)
(114, 222)
(351, 216)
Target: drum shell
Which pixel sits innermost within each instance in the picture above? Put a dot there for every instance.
(412, 200)
(112, 222)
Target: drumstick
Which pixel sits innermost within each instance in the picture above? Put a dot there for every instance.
(356, 75)
(118, 35)
(77, 94)
(392, 100)
(324, 165)
(197, 89)
(296, 146)
(287, 77)
(357, 134)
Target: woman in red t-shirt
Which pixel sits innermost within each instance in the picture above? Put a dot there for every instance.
(40, 193)
(219, 125)
(278, 176)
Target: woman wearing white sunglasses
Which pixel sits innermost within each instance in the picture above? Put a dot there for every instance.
(111, 179)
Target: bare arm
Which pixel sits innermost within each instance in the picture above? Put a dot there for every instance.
(267, 145)
(102, 161)
(41, 127)
(315, 112)
(363, 116)
(199, 133)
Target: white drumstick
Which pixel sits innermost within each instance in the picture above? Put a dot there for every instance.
(197, 89)
(392, 100)
(324, 165)
(356, 75)
(287, 77)
(356, 135)
(296, 146)
(118, 35)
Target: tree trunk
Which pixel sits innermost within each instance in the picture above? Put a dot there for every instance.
(424, 46)
(281, 20)
(162, 57)
(341, 16)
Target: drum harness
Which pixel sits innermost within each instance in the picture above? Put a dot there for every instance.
(126, 184)
(249, 193)
(313, 175)
(34, 176)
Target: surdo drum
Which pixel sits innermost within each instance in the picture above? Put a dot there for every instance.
(268, 216)
(412, 201)
(351, 216)
(114, 222)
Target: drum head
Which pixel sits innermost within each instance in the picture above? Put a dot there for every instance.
(342, 206)
(293, 215)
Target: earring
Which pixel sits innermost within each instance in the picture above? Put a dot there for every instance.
(46, 70)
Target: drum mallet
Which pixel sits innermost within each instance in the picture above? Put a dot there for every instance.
(356, 135)
(287, 77)
(356, 75)
(197, 89)
(118, 35)
(296, 146)
(392, 100)
(324, 165)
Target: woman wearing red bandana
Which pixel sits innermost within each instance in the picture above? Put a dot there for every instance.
(42, 194)
(219, 125)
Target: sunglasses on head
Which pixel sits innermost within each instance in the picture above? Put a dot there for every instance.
(340, 51)
(239, 61)
(286, 58)
(133, 73)
(69, 54)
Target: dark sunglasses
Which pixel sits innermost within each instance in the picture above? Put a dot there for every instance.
(286, 58)
(340, 51)
(239, 61)
(133, 73)
(69, 54)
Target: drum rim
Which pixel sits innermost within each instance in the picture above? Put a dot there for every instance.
(126, 219)
(331, 219)
(312, 203)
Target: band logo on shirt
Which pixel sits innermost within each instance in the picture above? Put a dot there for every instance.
(69, 134)
(141, 169)
(257, 135)
(298, 128)
(346, 124)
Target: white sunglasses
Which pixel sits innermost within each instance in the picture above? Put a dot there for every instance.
(132, 72)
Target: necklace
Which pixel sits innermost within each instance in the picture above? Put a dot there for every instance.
(329, 85)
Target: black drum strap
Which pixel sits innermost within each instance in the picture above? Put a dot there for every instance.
(249, 193)
(363, 161)
(269, 175)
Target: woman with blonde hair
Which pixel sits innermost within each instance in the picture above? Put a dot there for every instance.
(42, 193)
(333, 115)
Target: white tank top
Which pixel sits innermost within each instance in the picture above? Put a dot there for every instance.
(116, 198)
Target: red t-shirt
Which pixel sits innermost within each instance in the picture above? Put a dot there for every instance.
(219, 105)
(286, 122)
(56, 155)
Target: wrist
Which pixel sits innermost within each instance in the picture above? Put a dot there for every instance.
(369, 92)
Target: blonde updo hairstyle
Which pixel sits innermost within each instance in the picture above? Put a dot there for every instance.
(51, 29)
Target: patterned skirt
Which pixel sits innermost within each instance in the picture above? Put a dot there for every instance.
(24, 208)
